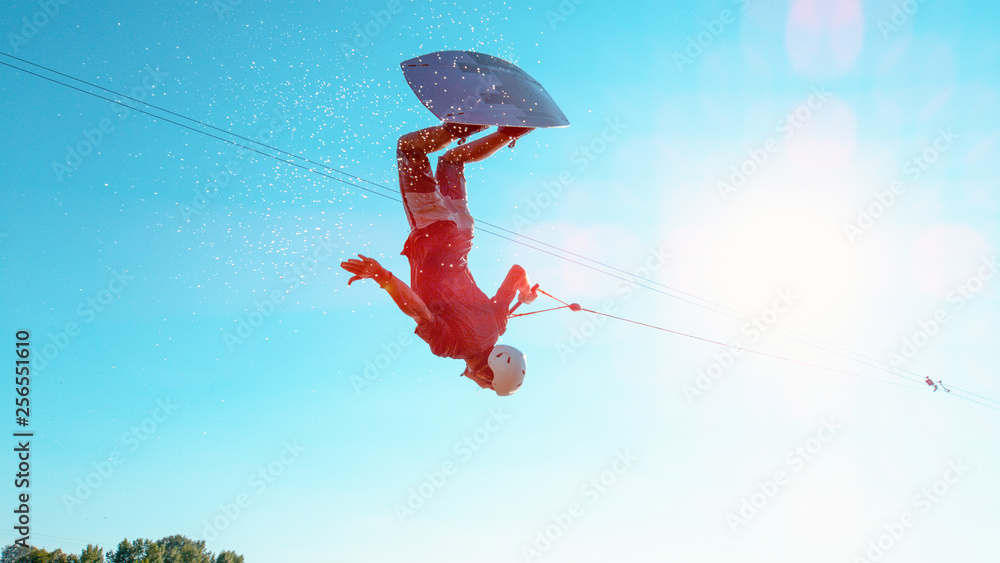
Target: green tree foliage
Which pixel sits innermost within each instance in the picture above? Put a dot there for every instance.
(11, 553)
(58, 556)
(152, 552)
(171, 549)
(126, 553)
(92, 554)
(16, 554)
(180, 549)
(36, 555)
(139, 551)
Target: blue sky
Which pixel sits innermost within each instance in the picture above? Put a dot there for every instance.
(807, 179)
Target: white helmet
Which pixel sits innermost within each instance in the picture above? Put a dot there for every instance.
(508, 365)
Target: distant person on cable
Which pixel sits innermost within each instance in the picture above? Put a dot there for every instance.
(453, 315)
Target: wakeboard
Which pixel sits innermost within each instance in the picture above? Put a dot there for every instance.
(476, 89)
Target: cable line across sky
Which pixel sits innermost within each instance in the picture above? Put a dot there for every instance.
(354, 181)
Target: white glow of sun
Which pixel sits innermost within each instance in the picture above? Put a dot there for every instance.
(787, 248)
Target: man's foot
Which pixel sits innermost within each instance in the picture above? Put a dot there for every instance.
(462, 130)
(514, 133)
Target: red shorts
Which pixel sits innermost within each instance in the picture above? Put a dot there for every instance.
(429, 198)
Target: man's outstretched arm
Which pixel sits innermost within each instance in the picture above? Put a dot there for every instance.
(516, 283)
(406, 299)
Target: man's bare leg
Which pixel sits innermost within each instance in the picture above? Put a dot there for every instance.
(485, 147)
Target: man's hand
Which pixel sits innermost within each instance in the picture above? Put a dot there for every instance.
(366, 268)
(405, 298)
(516, 284)
(528, 297)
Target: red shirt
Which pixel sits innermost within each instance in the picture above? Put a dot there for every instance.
(467, 323)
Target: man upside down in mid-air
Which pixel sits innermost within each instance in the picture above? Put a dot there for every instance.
(453, 315)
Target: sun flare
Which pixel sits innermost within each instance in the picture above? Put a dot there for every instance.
(782, 249)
